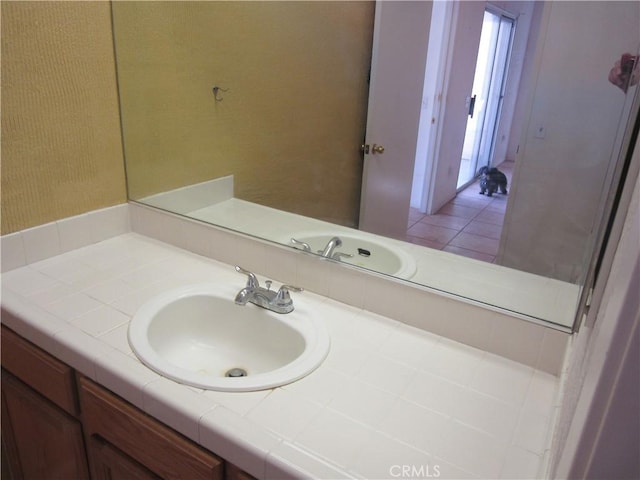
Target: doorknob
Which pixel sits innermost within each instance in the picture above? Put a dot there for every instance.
(374, 149)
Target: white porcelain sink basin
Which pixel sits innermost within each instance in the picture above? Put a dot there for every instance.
(197, 335)
(367, 251)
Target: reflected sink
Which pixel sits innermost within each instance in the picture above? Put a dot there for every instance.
(367, 252)
(198, 336)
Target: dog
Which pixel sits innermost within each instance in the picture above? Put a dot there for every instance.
(492, 179)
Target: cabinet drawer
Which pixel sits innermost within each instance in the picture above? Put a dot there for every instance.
(155, 446)
(42, 372)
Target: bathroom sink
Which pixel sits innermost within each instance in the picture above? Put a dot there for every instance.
(198, 336)
(367, 251)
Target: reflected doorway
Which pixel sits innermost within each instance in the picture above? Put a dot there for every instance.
(485, 104)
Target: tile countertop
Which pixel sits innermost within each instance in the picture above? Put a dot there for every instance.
(390, 400)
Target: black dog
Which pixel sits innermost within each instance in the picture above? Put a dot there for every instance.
(491, 179)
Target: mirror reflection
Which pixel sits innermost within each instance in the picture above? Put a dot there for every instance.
(372, 122)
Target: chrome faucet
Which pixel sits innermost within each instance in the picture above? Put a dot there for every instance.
(298, 243)
(279, 302)
(329, 250)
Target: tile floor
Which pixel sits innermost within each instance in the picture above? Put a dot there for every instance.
(468, 225)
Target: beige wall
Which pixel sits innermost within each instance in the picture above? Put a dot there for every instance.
(559, 180)
(291, 123)
(61, 143)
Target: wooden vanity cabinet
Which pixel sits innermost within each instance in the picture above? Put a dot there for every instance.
(41, 430)
(57, 424)
(124, 442)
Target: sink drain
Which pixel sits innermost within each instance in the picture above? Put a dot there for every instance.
(236, 372)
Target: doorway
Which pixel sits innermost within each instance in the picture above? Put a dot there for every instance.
(485, 104)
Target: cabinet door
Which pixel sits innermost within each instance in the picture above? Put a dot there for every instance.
(42, 440)
(148, 442)
(109, 463)
(234, 473)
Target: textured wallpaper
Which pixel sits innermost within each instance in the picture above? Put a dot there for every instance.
(61, 142)
(291, 121)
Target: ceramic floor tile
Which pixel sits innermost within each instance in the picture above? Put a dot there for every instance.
(460, 211)
(447, 221)
(484, 229)
(478, 243)
(425, 242)
(489, 216)
(498, 205)
(478, 215)
(414, 216)
(432, 233)
(473, 199)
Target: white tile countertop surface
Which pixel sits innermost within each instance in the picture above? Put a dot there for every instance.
(390, 400)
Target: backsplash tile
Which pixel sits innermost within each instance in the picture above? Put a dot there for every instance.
(41, 242)
(12, 251)
(65, 235)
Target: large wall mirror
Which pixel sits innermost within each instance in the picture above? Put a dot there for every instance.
(370, 122)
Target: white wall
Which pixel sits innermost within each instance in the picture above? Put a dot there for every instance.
(463, 55)
(509, 123)
(580, 112)
(598, 432)
(462, 62)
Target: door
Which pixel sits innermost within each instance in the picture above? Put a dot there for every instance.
(488, 91)
(399, 56)
(41, 439)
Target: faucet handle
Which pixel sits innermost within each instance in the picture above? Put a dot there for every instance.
(339, 255)
(252, 280)
(305, 246)
(283, 297)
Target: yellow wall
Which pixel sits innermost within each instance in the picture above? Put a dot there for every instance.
(61, 142)
(291, 123)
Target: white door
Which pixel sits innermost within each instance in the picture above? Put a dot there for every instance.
(399, 55)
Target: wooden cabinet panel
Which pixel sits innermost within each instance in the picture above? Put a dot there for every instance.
(234, 473)
(150, 443)
(109, 463)
(42, 440)
(42, 372)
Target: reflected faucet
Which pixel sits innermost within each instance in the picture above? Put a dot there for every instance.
(329, 250)
(279, 302)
